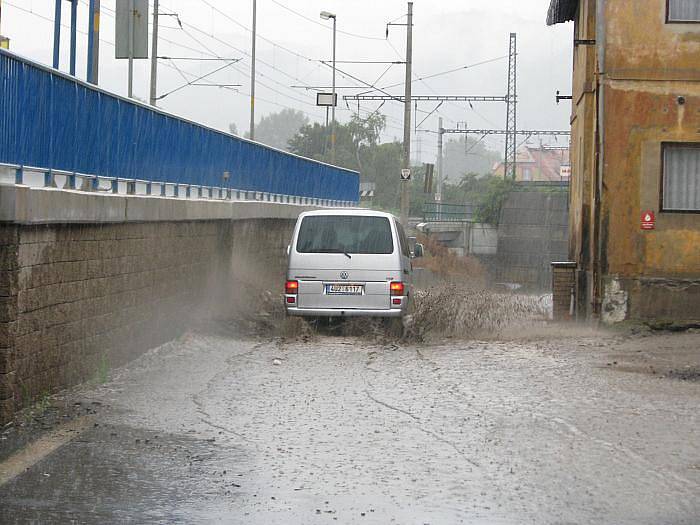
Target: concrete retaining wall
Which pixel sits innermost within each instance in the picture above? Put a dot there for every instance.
(79, 298)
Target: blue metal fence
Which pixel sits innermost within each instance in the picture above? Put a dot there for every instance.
(54, 121)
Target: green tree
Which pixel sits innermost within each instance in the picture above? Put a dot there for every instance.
(357, 148)
(354, 141)
(276, 129)
(487, 194)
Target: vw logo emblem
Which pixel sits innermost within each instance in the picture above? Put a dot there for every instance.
(343, 275)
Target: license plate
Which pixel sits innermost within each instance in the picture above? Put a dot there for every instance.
(344, 289)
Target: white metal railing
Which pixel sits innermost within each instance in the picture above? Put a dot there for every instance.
(72, 181)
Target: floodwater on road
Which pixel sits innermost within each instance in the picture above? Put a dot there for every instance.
(579, 428)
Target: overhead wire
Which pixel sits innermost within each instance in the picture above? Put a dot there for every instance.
(348, 33)
(210, 53)
(66, 26)
(259, 74)
(174, 67)
(273, 43)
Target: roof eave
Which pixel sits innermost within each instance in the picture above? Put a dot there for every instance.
(561, 11)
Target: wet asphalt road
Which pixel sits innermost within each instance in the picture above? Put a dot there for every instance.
(342, 430)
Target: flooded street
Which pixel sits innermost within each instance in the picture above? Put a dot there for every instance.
(570, 428)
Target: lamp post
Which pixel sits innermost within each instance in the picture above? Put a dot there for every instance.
(325, 15)
(252, 74)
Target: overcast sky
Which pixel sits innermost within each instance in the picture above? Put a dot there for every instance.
(448, 34)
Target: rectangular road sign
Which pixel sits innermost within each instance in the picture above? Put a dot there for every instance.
(121, 31)
(326, 99)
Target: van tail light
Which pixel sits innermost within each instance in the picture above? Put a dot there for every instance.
(291, 287)
(397, 288)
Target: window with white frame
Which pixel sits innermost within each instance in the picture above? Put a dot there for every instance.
(683, 11)
(681, 177)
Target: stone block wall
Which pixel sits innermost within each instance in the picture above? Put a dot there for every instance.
(76, 299)
(563, 290)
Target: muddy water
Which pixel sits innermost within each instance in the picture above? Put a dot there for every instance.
(337, 429)
(452, 311)
(445, 310)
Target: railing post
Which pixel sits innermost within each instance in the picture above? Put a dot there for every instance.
(148, 188)
(71, 181)
(19, 175)
(49, 179)
(115, 186)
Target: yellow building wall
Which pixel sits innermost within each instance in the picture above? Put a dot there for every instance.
(649, 65)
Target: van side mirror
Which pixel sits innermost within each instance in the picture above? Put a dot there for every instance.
(418, 251)
(289, 249)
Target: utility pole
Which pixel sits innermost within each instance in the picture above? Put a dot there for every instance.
(252, 74)
(511, 113)
(93, 58)
(4, 41)
(405, 183)
(131, 49)
(57, 35)
(325, 15)
(73, 34)
(334, 95)
(441, 131)
(154, 55)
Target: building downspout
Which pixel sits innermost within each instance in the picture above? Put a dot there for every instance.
(600, 158)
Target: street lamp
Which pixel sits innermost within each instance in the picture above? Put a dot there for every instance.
(325, 15)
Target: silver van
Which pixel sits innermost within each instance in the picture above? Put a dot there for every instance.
(348, 263)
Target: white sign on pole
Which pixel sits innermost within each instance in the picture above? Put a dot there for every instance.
(121, 32)
(405, 174)
(326, 99)
(565, 171)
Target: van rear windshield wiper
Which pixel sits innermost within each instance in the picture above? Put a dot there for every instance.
(323, 250)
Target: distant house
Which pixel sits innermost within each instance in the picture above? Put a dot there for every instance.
(539, 164)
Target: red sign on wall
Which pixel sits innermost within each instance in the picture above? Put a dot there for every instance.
(648, 220)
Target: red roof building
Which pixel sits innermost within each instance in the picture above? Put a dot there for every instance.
(539, 164)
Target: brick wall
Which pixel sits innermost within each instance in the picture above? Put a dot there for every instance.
(8, 314)
(77, 298)
(563, 285)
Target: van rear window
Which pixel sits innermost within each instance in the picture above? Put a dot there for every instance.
(345, 234)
